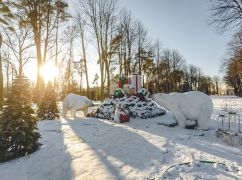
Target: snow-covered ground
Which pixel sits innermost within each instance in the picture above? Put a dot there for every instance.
(89, 148)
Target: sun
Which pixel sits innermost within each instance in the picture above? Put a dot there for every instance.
(49, 71)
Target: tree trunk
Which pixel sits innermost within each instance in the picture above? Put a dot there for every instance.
(7, 75)
(47, 32)
(40, 81)
(85, 63)
(69, 68)
(56, 50)
(120, 60)
(129, 59)
(139, 58)
(1, 76)
(102, 79)
(20, 63)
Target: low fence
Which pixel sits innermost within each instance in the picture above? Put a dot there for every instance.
(229, 123)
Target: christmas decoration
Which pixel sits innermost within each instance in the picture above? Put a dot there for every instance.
(121, 115)
(135, 80)
(137, 108)
(129, 89)
(123, 80)
(18, 127)
(48, 107)
(118, 93)
(143, 94)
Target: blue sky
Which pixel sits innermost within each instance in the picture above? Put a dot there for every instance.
(183, 25)
(179, 24)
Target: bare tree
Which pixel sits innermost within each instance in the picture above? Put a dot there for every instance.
(5, 17)
(18, 41)
(157, 58)
(101, 15)
(40, 15)
(142, 45)
(192, 76)
(216, 80)
(70, 32)
(233, 64)
(172, 67)
(226, 14)
(60, 16)
(81, 28)
(127, 33)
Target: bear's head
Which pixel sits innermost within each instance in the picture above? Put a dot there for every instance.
(89, 103)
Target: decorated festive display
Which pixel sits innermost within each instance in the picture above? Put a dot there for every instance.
(128, 101)
(136, 106)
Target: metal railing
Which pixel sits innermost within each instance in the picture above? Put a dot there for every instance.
(229, 117)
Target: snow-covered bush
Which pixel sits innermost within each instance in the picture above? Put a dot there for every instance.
(137, 108)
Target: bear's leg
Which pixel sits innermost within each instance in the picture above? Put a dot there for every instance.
(64, 112)
(73, 113)
(179, 117)
(203, 123)
(85, 110)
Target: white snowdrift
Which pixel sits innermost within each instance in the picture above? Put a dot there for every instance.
(193, 106)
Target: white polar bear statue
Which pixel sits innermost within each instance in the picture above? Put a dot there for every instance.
(74, 102)
(193, 106)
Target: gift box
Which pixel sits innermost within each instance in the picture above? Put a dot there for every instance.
(135, 80)
(124, 118)
(121, 115)
(123, 81)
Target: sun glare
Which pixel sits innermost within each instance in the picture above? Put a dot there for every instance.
(49, 71)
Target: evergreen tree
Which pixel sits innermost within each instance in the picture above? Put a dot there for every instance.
(48, 108)
(18, 127)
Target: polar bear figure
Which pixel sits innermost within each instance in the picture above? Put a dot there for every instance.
(73, 102)
(193, 105)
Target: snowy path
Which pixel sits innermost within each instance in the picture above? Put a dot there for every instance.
(84, 161)
(97, 149)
